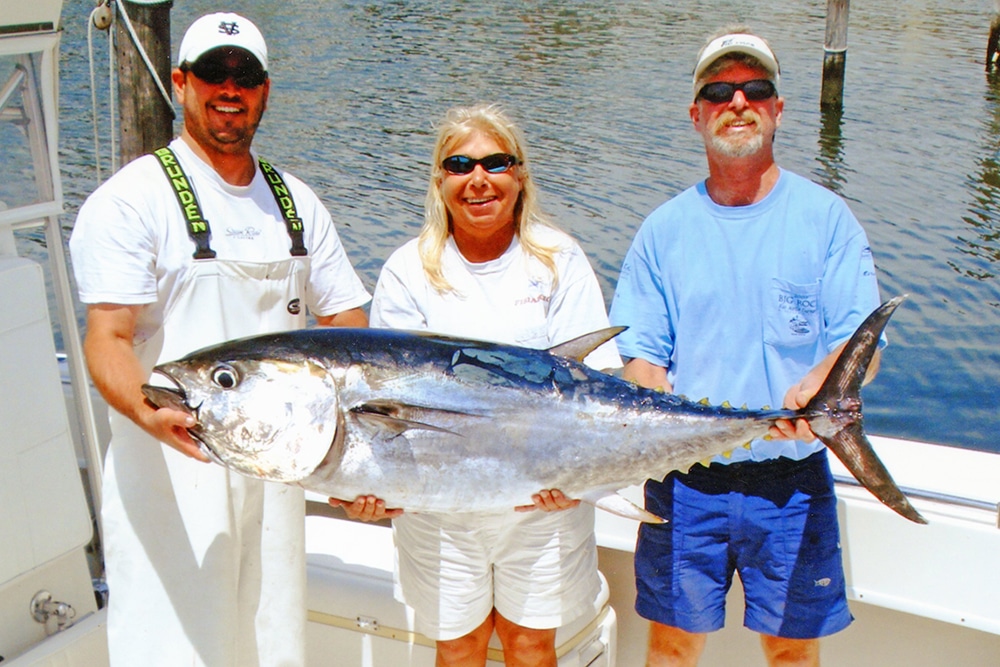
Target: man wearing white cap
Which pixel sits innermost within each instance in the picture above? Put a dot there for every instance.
(201, 242)
(743, 288)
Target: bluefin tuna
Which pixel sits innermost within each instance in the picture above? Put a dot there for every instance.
(435, 423)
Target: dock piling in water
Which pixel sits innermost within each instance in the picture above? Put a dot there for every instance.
(146, 118)
(993, 43)
(835, 54)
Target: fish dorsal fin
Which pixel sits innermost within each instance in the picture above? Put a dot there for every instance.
(579, 347)
(611, 501)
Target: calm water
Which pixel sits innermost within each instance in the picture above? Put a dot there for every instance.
(601, 90)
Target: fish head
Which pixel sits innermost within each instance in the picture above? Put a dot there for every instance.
(272, 419)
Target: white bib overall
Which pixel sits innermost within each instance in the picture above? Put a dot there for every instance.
(205, 566)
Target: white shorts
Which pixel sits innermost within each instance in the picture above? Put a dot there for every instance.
(538, 569)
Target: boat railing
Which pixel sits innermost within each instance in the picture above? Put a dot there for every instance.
(935, 496)
(33, 201)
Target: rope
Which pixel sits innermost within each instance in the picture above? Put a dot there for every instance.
(98, 18)
(145, 58)
(102, 17)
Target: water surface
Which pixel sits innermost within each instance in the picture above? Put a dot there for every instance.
(602, 91)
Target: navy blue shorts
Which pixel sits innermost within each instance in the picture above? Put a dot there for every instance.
(773, 522)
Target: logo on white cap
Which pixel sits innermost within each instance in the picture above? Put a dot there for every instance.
(229, 27)
(222, 29)
(751, 45)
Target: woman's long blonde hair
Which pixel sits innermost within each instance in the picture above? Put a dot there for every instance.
(458, 125)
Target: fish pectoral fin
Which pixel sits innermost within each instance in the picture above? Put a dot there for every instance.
(419, 416)
(395, 425)
(578, 348)
(397, 418)
(619, 505)
(401, 410)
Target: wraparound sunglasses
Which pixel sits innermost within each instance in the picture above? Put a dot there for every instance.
(212, 72)
(497, 163)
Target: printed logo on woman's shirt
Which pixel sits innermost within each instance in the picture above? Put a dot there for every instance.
(538, 298)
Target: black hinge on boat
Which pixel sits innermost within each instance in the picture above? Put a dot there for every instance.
(45, 26)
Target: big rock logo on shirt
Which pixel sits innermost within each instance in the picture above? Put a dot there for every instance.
(799, 312)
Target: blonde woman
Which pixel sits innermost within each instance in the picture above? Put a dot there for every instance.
(487, 265)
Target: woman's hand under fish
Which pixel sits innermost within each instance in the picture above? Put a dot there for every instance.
(365, 508)
(549, 500)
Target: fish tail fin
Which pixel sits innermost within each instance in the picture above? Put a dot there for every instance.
(838, 420)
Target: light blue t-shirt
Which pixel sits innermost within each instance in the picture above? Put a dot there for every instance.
(740, 302)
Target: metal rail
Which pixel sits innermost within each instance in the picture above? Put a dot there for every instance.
(935, 496)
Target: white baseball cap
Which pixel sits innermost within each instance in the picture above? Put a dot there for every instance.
(751, 45)
(222, 29)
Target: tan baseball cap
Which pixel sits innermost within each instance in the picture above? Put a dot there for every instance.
(751, 45)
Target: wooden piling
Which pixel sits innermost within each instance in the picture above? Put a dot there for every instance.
(835, 54)
(993, 44)
(146, 118)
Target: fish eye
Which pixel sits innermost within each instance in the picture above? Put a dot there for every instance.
(226, 376)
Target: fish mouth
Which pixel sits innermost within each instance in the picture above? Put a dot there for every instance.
(173, 396)
(167, 397)
(176, 399)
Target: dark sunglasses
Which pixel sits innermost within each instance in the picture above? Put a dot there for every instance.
(214, 72)
(497, 163)
(756, 90)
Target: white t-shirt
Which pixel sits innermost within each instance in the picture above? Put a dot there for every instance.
(549, 561)
(130, 242)
(511, 299)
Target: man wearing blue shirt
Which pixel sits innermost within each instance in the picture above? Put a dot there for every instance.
(743, 288)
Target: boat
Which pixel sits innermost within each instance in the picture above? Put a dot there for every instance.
(922, 595)
(50, 612)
